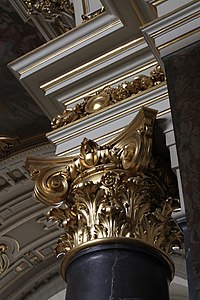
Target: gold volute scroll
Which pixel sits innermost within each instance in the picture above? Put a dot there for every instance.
(119, 190)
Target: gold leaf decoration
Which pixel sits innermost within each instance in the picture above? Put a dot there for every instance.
(117, 190)
(59, 12)
(48, 8)
(108, 96)
(52, 185)
(119, 206)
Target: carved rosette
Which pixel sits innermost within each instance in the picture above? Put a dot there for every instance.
(112, 191)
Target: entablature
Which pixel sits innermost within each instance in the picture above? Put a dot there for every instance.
(98, 40)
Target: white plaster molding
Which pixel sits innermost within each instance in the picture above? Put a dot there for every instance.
(171, 144)
(111, 64)
(20, 157)
(116, 26)
(66, 44)
(174, 31)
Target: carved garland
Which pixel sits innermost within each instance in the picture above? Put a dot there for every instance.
(108, 96)
(50, 9)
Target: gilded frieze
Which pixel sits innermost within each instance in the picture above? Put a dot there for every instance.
(109, 96)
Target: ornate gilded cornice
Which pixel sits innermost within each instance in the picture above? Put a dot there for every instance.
(60, 12)
(108, 96)
(121, 189)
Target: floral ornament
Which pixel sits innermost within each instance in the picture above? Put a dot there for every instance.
(108, 96)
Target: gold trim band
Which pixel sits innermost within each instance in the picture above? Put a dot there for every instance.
(173, 25)
(179, 38)
(72, 45)
(150, 64)
(45, 87)
(157, 2)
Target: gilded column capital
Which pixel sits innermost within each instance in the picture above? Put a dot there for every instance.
(118, 190)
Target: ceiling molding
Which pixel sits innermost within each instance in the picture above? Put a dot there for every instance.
(174, 30)
(82, 46)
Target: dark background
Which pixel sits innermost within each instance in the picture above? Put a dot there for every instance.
(19, 115)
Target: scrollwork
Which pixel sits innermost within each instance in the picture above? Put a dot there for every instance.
(52, 186)
(117, 190)
(132, 152)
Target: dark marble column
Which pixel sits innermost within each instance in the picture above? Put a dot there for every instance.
(118, 271)
(190, 275)
(183, 78)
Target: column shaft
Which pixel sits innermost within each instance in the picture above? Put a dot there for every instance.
(118, 270)
(183, 77)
